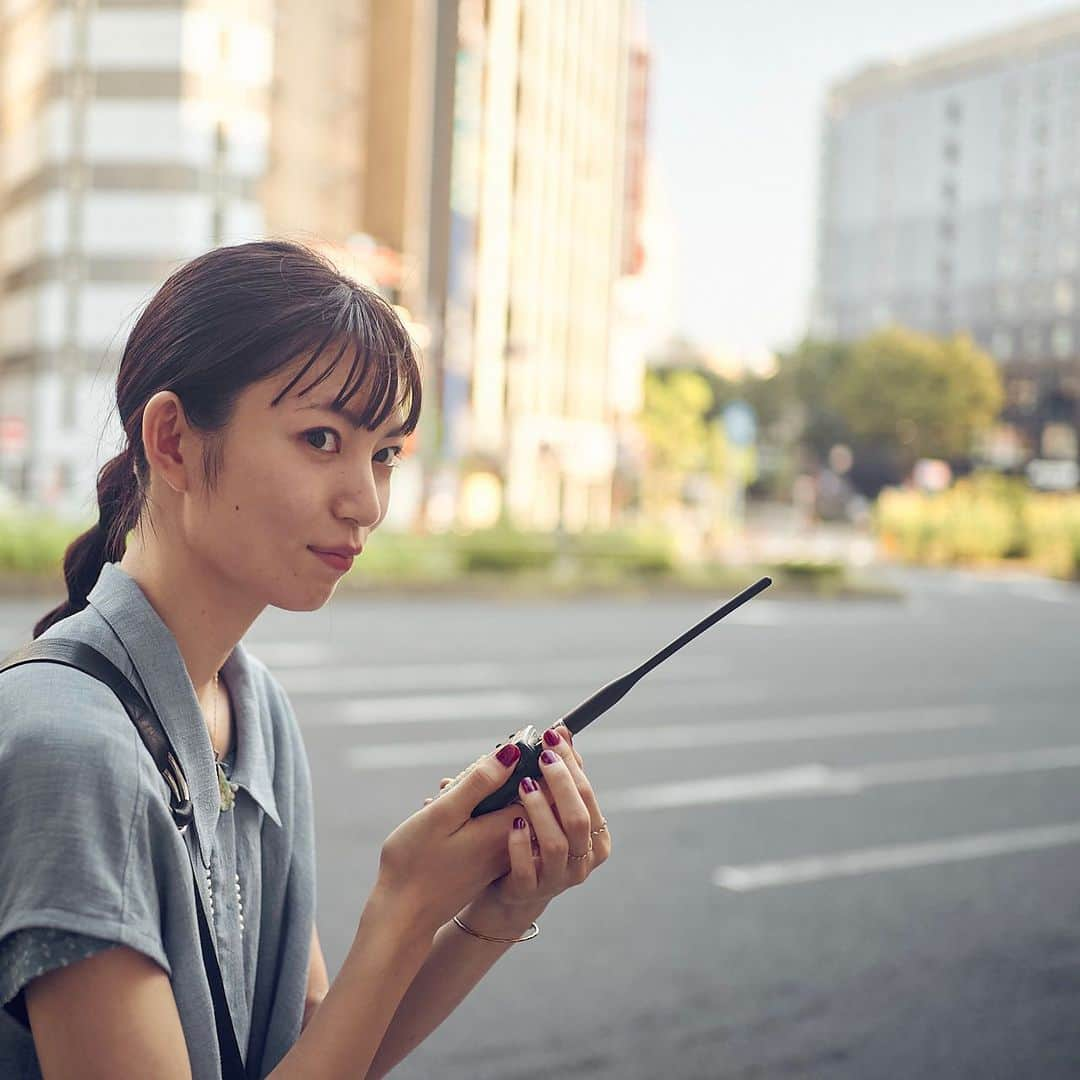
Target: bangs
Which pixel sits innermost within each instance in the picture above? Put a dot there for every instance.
(367, 332)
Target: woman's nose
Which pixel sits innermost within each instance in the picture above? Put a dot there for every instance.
(362, 504)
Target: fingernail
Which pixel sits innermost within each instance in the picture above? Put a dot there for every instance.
(509, 754)
(529, 785)
(519, 823)
(549, 757)
(551, 737)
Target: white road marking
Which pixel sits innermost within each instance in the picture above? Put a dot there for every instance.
(816, 779)
(900, 857)
(1053, 592)
(428, 708)
(290, 654)
(357, 680)
(351, 679)
(432, 707)
(403, 755)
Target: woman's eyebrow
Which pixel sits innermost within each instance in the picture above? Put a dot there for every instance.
(353, 418)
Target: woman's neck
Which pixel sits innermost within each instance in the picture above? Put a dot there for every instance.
(205, 617)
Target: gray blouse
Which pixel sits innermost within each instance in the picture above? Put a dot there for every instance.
(90, 857)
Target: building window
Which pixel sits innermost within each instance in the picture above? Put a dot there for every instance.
(954, 111)
(1032, 343)
(951, 151)
(1062, 340)
(1064, 296)
(70, 402)
(1001, 345)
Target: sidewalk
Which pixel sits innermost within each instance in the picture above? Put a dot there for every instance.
(775, 532)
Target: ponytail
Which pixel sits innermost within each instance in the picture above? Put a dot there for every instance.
(119, 502)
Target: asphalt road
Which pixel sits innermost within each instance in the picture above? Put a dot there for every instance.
(847, 836)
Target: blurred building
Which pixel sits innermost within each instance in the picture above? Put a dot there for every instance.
(535, 244)
(133, 137)
(314, 183)
(950, 201)
(633, 309)
(466, 158)
(360, 139)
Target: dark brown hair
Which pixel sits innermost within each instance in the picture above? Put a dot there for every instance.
(223, 321)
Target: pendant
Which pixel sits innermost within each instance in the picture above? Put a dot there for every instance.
(228, 792)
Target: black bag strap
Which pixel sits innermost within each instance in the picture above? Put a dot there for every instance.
(83, 657)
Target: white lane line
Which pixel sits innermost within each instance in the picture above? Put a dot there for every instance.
(1053, 592)
(402, 755)
(289, 654)
(429, 708)
(353, 680)
(816, 779)
(436, 707)
(900, 857)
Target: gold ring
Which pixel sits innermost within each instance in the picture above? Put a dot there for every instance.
(585, 856)
(600, 829)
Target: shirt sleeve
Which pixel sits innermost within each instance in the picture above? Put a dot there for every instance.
(26, 954)
(82, 849)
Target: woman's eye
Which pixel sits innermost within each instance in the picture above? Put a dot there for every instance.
(321, 433)
(395, 460)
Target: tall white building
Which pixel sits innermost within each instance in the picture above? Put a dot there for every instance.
(133, 137)
(950, 201)
(535, 243)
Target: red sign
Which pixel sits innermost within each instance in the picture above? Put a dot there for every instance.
(12, 433)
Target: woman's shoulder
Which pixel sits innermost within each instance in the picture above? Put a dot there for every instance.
(61, 725)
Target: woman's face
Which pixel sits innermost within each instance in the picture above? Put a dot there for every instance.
(295, 476)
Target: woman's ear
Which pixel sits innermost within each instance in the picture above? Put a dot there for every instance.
(168, 440)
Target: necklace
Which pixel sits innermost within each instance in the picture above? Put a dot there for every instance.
(228, 795)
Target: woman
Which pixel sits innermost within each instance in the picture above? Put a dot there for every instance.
(264, 397)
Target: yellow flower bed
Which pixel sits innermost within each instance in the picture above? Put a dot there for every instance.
(979, 520)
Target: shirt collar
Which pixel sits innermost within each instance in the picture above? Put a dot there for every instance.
(152, 647)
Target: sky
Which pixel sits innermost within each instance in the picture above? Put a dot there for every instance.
(737, 93)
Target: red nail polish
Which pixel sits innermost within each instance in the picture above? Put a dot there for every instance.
(529, 785)
(549, 757)
(519, 823)
(551, 737)
(509, 754)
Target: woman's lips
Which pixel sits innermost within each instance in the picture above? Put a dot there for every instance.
(338, 562)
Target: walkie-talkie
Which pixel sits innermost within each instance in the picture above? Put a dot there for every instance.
(529, 740)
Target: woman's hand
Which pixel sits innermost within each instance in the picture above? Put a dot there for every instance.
(562, 820)
(568, 838)
(436, 861)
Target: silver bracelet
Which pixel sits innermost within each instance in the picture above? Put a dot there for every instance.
(506, 940)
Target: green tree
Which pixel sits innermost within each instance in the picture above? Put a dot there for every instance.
(680, 437)
(913, 395)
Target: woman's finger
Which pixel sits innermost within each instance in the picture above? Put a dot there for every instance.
(520, 882)
(572, 760)
(564, 731)
(551, 842)
(573, 813)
